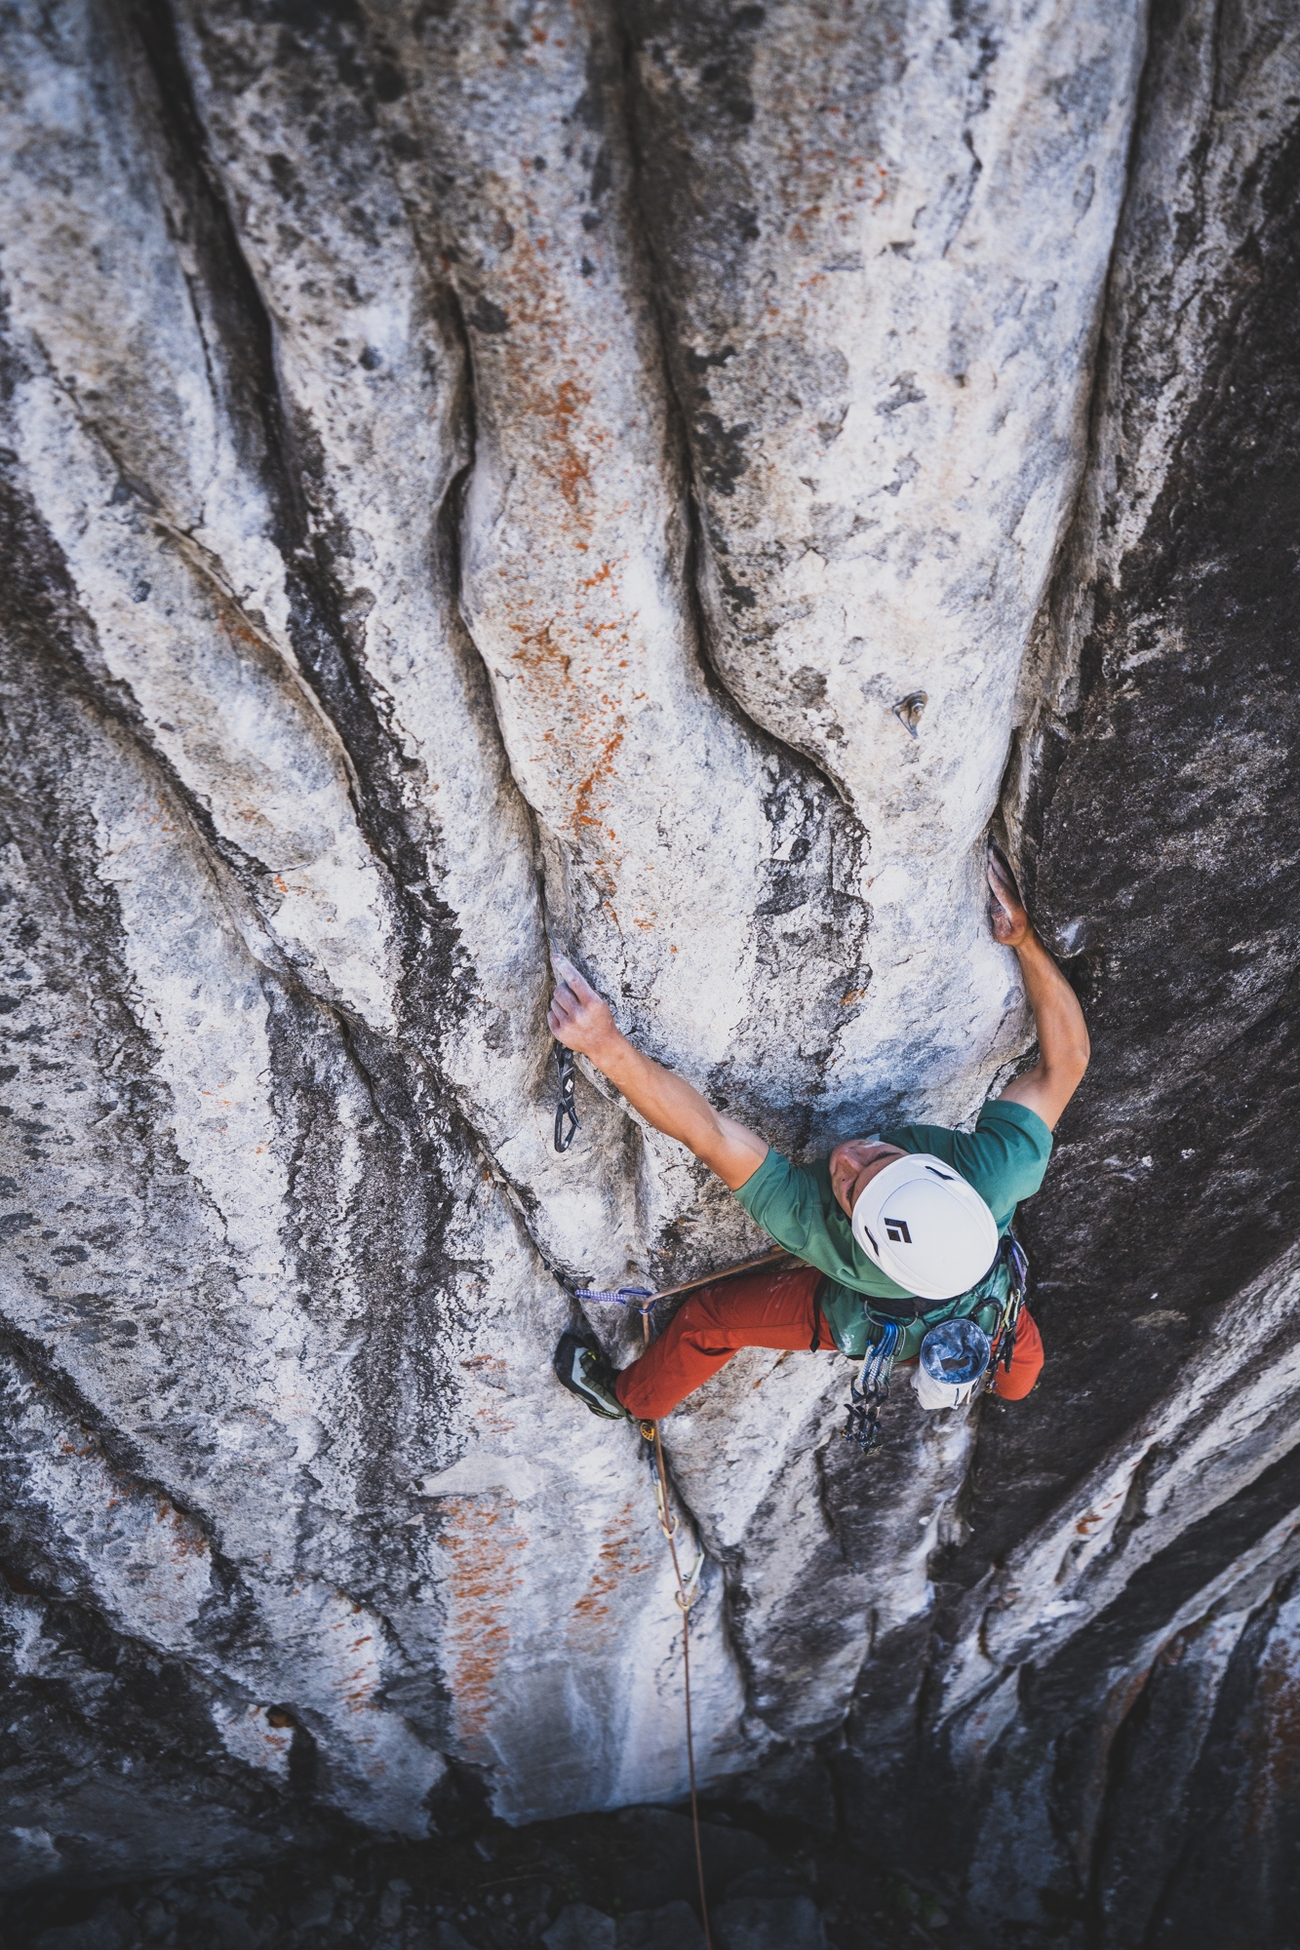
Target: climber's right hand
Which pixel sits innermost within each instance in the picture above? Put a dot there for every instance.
(582, 1021)
(578, 1017)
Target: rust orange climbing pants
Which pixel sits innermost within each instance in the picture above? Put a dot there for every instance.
(764, 1309)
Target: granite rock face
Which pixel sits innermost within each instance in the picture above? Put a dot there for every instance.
(660, 484)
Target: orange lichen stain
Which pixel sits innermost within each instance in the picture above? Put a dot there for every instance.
(481, 1543)
(234, 625)
(622, 1555)
(573, 469)
(583, 815)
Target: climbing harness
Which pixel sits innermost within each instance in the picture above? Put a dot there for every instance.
(868, 1394)
(565, 1110)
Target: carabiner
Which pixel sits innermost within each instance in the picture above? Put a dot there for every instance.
(565, 1109)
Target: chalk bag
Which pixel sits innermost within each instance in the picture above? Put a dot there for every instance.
(954, 1357)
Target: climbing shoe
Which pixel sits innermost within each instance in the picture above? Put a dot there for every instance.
(583, 1370)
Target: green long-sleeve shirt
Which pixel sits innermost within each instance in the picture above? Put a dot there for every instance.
(1004, 1158)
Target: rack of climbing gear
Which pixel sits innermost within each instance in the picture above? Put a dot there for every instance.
(1004, 1338)
(566, 1114)
(868, 1394)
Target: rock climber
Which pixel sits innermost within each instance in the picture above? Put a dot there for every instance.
(902, 1227)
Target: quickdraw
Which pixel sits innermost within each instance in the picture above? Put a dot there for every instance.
(1004, 1340)
(566, 1110)
(624, 1297)
(868, 1394)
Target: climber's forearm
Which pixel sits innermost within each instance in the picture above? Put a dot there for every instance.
(677, 1109)
(1063, 1044)
(1062, 1032)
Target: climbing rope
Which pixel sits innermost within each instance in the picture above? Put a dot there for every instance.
(646, 1300)
(687, 1592)
(687, 1587)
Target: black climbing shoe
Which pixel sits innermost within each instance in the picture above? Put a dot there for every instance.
(583, 1370)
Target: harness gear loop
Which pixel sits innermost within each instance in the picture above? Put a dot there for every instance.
(566, 1108)
(868, 1394)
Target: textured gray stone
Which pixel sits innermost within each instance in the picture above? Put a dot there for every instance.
(769, 1923)
(674, 1926)
(580, 1927)
(110, 1928)
(664, 1868)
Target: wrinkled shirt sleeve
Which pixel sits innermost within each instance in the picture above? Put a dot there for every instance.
(1004, 1157)
(788, 1201)
(1010, 1148)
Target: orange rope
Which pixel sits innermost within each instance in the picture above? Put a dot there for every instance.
(668, 1524)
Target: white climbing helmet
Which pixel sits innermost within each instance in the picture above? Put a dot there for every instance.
(926, 1227)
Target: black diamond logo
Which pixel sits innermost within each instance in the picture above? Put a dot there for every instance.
(898, 1232)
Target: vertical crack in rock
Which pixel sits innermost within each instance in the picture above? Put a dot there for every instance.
(1150, 787)
(825, 337)
(701, 92)
(1009, 826)
(1149, 657)
(801, 774)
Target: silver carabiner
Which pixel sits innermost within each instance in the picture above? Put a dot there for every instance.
(566, 1113)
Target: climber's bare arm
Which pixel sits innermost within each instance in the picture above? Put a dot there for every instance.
(1063, 1046)
(581, 1019)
